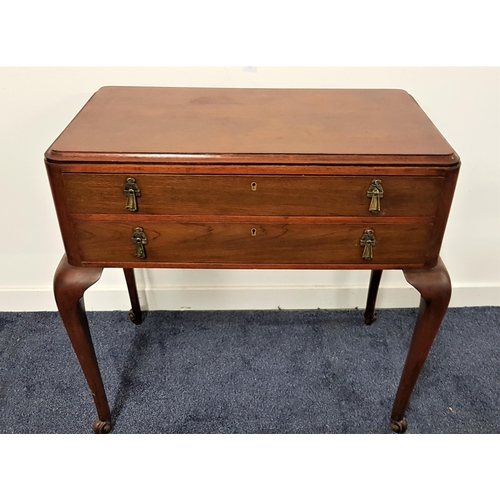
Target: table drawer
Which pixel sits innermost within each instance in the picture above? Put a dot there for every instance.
(252, 195)
(247, 243)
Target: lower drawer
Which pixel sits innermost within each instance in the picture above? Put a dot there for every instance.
(247, 243)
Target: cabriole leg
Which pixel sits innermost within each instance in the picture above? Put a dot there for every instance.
(434, 286)
(70, 283)
(370, 315)
(135, 314)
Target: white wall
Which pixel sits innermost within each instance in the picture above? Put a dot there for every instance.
(36, 103)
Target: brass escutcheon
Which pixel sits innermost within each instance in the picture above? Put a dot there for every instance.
(139, 239)
(253, 231)
(375, 192)
(368, 242)
(254, 186)
(132, 192)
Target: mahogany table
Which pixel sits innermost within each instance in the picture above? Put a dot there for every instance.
(252, 179)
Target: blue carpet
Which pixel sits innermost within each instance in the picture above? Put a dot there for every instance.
(247, 372)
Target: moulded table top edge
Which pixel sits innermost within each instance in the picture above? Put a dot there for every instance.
(211, 125)
(450, 160)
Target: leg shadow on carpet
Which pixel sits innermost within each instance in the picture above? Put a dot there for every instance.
(314, 371)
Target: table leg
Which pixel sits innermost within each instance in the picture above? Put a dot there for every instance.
(70, 283)
(434, 286)
(370, 315)
(135, 314)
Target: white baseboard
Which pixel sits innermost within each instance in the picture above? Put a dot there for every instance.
(236, 298)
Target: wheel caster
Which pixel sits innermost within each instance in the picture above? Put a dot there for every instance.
(137, 320)
(102, 427)
(399, 426)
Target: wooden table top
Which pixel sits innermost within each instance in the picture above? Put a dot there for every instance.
(334, 126)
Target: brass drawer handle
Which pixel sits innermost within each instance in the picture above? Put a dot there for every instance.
(139, 239)
(132, 192)
(376, 192)
(368, 242)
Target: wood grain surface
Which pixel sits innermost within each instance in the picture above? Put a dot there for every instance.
(233, 243)
(270, 195)
(282, 125)
(310, 154)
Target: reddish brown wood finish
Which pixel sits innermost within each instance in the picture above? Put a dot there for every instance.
(195, 154)
(370, 315)
(225, 167)
(445, 199)
(135, 313)
(63, 214)
(271, 195)
(70, 283)
(434, 286)
(235, 243)
(247, 125)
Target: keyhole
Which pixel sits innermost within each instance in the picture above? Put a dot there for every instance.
(254, 186)
(253, 231)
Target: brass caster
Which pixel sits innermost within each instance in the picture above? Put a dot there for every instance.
(399, 426)
(137, 320)
(102, 427)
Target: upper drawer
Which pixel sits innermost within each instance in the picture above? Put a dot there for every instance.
(253, 195)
